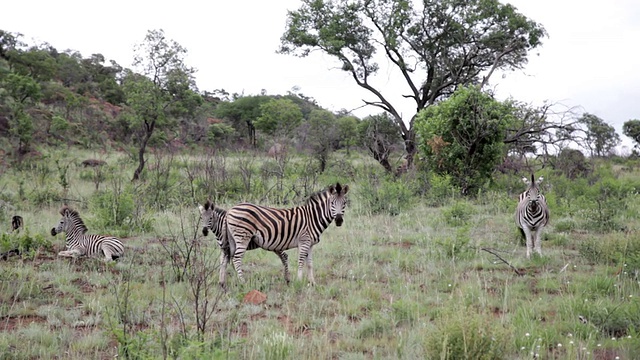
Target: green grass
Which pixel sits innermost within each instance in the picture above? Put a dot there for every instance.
(398, 285)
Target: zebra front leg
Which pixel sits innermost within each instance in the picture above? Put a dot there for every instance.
(285, 262)
(303, 257)
(73, 253)
(529, 240)
(538, 242)
(312, 279)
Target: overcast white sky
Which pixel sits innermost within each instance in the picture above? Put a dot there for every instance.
(591, 58)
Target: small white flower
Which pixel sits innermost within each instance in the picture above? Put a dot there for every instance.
(559, 345)
(449, 285)
(625, 265)
(522, 348)
(527, 334)
(630, 296)
(629, 337)
(614, 339)
(617, 357)
(584, 349)
(570, 335)
(571, 342)
(599, 345)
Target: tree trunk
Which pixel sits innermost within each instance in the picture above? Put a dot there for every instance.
(141, 151)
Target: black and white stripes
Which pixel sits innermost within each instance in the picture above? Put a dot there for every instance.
(532, 215)
(282, 229)
(78, 243)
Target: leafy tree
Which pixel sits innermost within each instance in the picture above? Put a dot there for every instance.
(347, 131)
(601, 137)
(323, 133)
(243, 110)
(378, 134)
(278, 117)
(464, 136)
(162, 91)
(434, 47)
(16, 93)
(631, 129)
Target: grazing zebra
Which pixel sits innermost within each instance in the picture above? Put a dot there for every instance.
(282, 229)
(532, 215)
(80, 244)
(214, 218)
(16, 223)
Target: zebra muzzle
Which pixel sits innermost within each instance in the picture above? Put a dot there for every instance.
(205, 231)
(53, 231)
(339, 220)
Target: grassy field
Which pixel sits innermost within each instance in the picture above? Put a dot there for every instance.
(410, 283)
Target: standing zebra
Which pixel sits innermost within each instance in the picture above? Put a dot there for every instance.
(532, 215)
(214, 218)
(80, 244)
(283, 229)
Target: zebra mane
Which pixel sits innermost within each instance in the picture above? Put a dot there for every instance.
(71, 213)
(318, 195)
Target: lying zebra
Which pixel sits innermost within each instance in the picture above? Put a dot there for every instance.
(80, 244)
(214, 218)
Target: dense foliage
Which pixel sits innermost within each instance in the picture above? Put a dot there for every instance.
(463, 136)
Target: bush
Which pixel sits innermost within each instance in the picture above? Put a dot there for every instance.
(615, 249)
(462, 334)
(458, 214)
(26, 244)
(386, 196)
(116, 209)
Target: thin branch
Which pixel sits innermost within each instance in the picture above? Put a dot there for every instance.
(493, 252)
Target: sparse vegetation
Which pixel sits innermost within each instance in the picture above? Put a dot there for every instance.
(404, 277)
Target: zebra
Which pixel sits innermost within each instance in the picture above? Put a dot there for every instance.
(532, 215)
(283, 229)
(78, 243)
(16, 223)
(214, 218)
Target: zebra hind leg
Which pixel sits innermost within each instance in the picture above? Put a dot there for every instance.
(225, 254)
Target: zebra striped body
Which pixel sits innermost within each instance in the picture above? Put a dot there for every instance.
(16, 223)
(532, 215)
(78, 243)
(282, 229)
(214, 219)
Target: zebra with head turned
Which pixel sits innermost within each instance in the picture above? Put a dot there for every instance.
(532, 215)
(282, 229)
(78, 243)
(214, 218)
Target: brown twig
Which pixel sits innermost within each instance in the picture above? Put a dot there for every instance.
(491, 251)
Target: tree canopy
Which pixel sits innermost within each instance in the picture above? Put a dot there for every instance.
(434, 45)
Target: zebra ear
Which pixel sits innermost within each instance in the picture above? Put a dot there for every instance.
(540, 179)
(64, 210)
(525, 180)
(332, 189)
(201, 209)
(345, 189)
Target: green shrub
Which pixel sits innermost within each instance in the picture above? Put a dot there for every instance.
(458, 214)
(455, 246)
(462, 334)
(441, 190)
(565, 225)
(614, 249)
(27, 245)
(386, 196)
(117, 210)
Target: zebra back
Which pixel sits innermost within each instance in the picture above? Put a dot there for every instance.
(281, 229)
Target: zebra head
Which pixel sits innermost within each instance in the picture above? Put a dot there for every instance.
(533, 194)
(206, 216)
(338, 202)
(70, 220)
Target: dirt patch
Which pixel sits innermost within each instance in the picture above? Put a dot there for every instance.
(9, 324)
(83, 285)
(292, 329)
